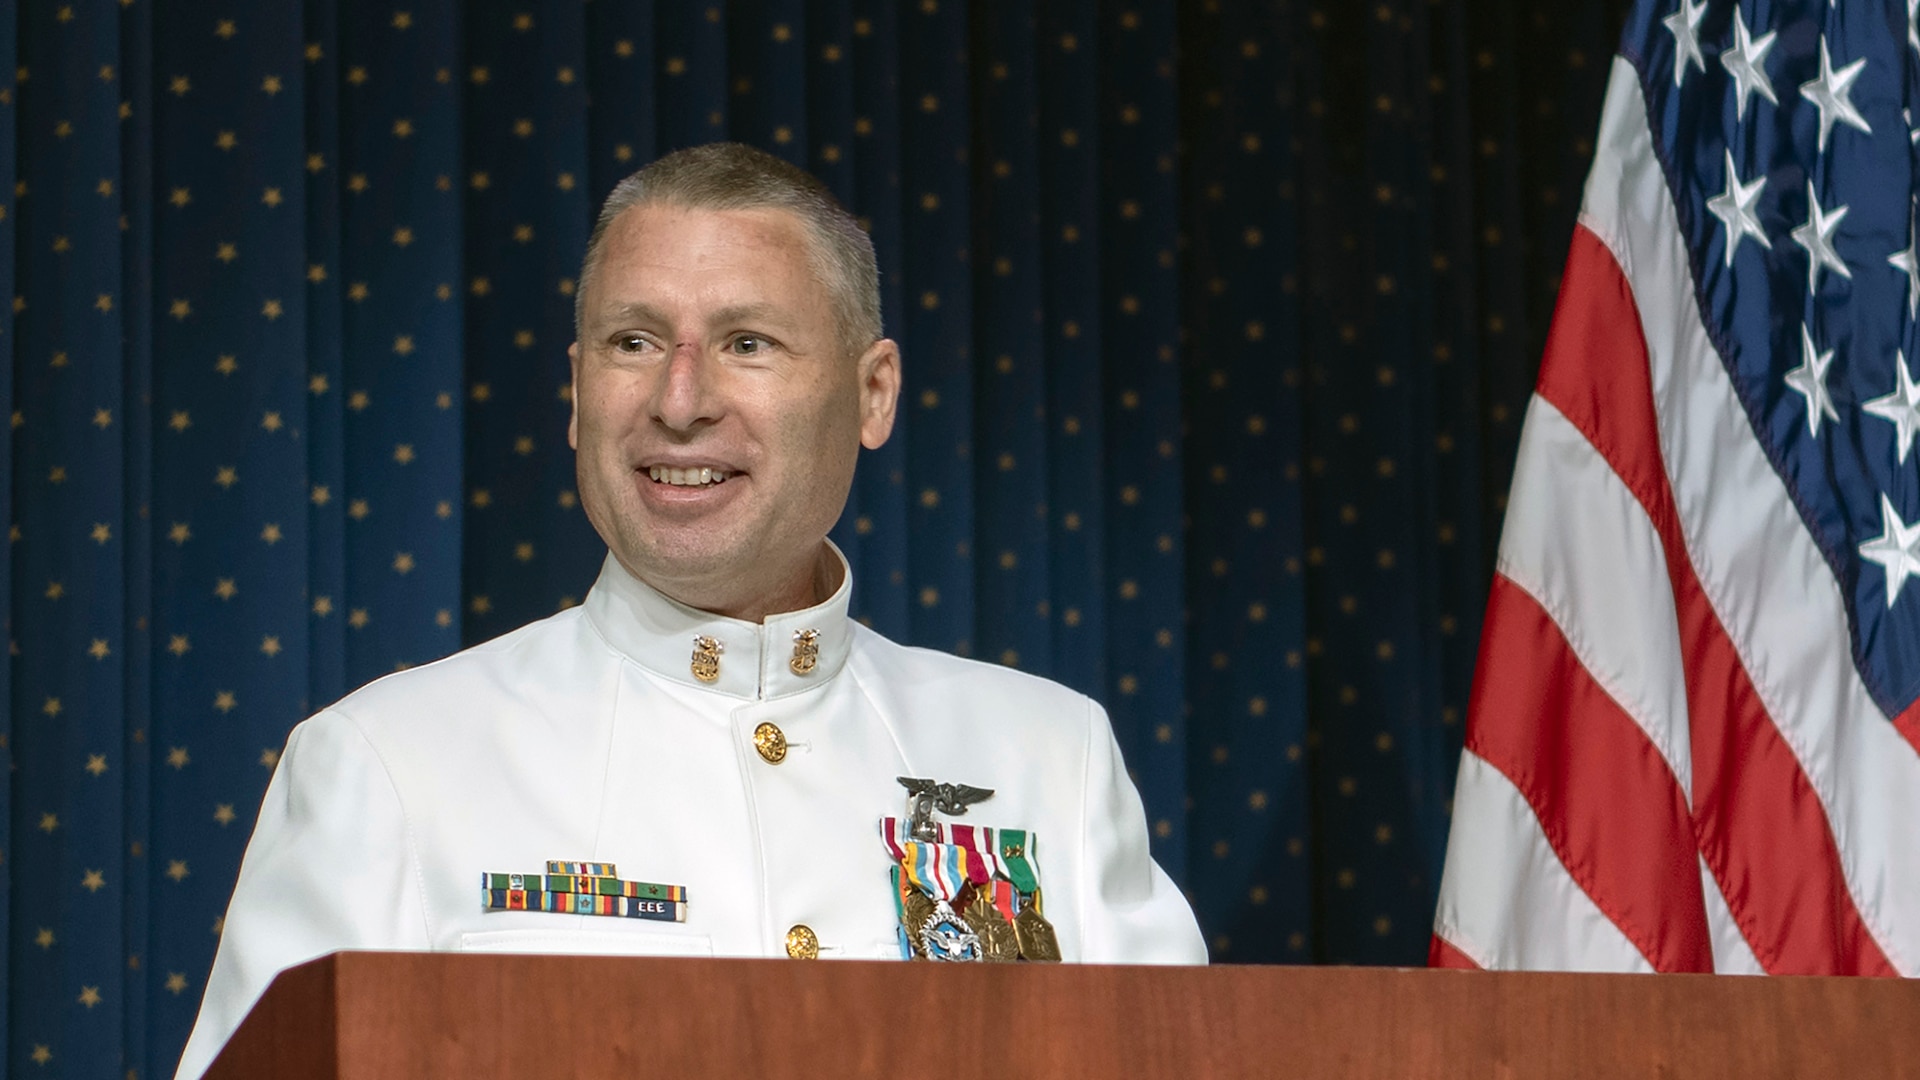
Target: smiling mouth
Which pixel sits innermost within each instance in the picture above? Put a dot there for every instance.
(695, 477)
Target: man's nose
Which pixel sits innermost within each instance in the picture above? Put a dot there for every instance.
(685, 397)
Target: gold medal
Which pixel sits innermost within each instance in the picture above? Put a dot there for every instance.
(999, 944)
(916, 908)
(1035, 934)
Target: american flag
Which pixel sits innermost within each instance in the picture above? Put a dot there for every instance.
(1691, 744)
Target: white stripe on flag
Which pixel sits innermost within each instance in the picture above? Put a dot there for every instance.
(1506, 902)
(1582, 546)
(1731, 953)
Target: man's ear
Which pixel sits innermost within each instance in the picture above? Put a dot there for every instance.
(879, 369)
(573, 396)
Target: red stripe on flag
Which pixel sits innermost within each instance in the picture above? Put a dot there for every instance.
(1758, 821)
(1442, 954)
(1607, 801)
(1908, 724)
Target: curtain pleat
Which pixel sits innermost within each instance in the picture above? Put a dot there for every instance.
(69, 798)
(326, 394)
(937, 317)
(1012, 583)
(138, 211)
(1066, 61)
(884, 598)
(9, 337)
(1139, 324)
(1245, 574)
(529, 549)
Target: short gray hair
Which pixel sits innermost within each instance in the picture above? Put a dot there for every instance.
(732, 176)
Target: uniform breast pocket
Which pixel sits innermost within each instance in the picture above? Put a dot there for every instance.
(587, 943)
(872, 948)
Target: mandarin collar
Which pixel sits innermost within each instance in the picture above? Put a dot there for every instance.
(757, 661)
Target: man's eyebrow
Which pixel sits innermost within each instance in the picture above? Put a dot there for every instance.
(740, 313)
(636, 312)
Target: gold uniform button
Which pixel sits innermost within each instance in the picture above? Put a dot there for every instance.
(772, 744)
(803, 943)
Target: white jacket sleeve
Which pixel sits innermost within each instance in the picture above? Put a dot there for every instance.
(1131, 910)
(331, 866)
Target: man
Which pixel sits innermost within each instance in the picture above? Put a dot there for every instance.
(709, 751)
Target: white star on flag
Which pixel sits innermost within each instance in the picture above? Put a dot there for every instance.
(1684, 24)
(1810, 380)
(1831, 94)
(1894, 548)
(1816, 235)
(1746, 62)
(1908, 263)
(1900, 408)
(1734, 208)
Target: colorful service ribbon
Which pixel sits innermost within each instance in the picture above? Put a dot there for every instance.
(590, 869)
(629, 907)
(573, 888)
(578, 883)
(1018, 853)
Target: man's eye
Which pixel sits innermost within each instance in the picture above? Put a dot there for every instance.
(747, 345)
(629, 343)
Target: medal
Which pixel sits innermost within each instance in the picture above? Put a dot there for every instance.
(938, 872)
(909, 903)
(964, 892)
(946, 936)
(915, 910)
(1035, 934)
(999, 942)
(1038, 942)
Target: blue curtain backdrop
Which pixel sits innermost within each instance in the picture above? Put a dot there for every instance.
(1218, 328)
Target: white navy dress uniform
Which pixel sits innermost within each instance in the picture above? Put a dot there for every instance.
(586, 736)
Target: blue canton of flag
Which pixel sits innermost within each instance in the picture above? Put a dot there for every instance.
(1790, 145)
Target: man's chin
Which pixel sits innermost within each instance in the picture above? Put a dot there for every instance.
(724, 576)
(692, 573)
(686, 564)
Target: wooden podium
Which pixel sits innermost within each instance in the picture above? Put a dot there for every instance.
(437, 1014)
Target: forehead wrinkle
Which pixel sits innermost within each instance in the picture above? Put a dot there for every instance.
(639, 311)
(750, 239)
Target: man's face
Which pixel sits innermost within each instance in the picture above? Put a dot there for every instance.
(717, 413)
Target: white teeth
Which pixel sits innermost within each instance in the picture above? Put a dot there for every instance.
(700, 477)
